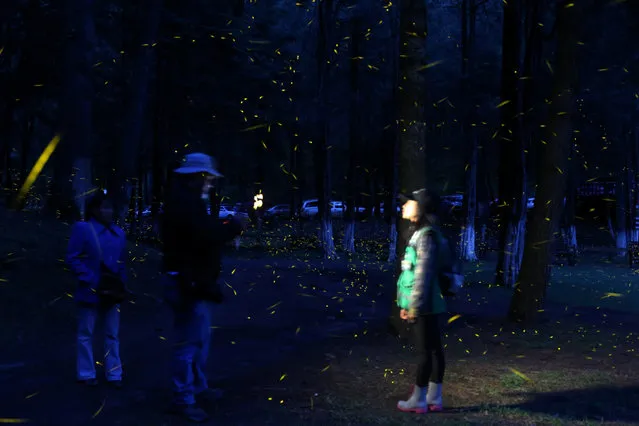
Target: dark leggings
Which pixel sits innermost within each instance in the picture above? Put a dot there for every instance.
(429, 346)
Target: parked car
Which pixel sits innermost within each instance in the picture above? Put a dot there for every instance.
(242, 210)
(310, 208)
(225, 212)
(280, 210)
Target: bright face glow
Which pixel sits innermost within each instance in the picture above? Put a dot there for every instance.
(410, 210)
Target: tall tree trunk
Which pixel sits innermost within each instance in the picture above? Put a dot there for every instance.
(621, 207)
(512, 197)
(349, 219)
(73, 165)
(530, 292)
(6, 136)
(139, 59)
(634, 150)
(468, 236)
(569, 232)
(325, 22)
(293, 180)
(392, 144)
(411, 99)
(412, 92)
(158, 160)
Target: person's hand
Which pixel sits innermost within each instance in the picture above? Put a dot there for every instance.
(403, 314)
(411, 316)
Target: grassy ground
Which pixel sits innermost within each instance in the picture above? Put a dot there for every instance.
(578, 366)
(578, 369)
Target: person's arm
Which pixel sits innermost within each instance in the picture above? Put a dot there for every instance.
(76, 254)
(212, 231)
(425, 272)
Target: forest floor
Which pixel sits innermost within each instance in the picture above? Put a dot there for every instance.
(303, 342)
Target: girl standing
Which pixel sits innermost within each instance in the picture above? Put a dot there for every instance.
(421, 302)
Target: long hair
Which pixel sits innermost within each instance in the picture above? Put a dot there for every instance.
(428, 209)
(426, 219)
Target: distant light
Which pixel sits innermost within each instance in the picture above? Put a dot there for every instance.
(105, 191)
(258, 201)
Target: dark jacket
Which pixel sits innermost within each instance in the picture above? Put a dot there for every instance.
(90, 244)
(426, 296)
(192, 244)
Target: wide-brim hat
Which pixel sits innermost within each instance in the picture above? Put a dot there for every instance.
(198, 163)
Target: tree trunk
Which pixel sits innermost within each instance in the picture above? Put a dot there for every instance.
(530, 292)
(621, 207)
(293, 181)
(158, 153)
(6, 134)
(512, 198)
(468, 237)
(25, 149)
(325, 21)
(349, 219)
(634, 190)
(392, 144)
(139, 59)
(411, 152)
(412, 97)
(569, 232)
(73, 166)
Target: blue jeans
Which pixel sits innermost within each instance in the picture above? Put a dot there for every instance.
(192, 337)
(87, 317)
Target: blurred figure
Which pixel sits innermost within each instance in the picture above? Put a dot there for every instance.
(97, 256)
(420, 298)
(193, 241)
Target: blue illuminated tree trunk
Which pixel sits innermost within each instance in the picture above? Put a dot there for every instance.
(325, 15)
(392, 144)
(354, 134)
(468, 235)
(512, 177)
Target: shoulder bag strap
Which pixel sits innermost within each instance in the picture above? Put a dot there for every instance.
(97, 240)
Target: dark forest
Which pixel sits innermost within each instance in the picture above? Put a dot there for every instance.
(521, 115)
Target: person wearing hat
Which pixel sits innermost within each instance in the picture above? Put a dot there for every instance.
(420, 299)
(192, 245)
